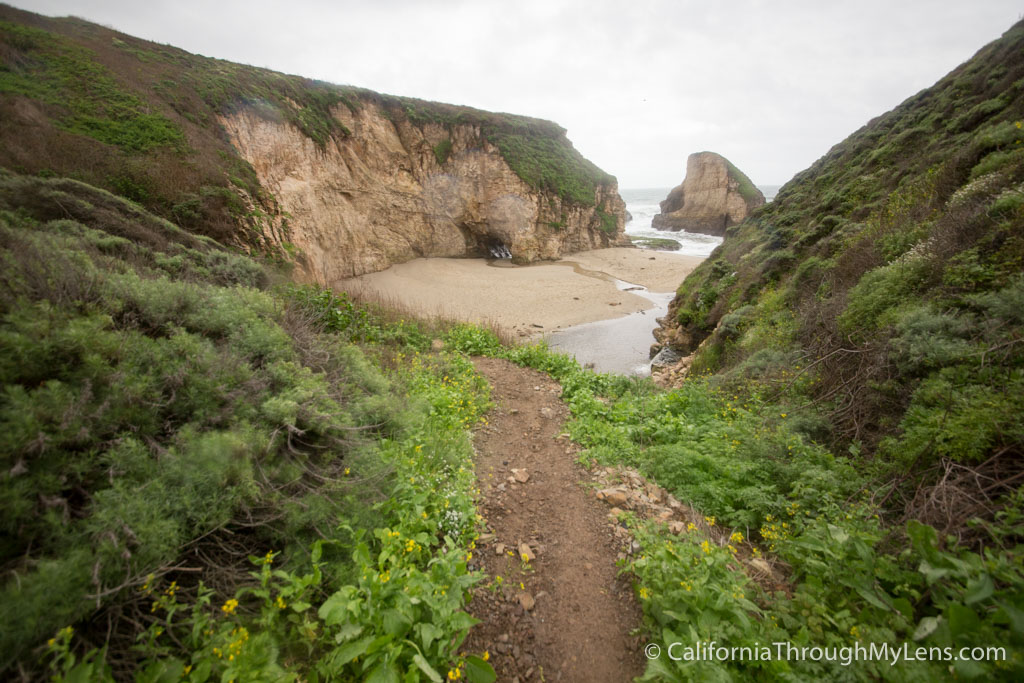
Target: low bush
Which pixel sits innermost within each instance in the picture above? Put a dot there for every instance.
(210, 480)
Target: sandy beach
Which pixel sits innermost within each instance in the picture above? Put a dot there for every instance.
(531, 299)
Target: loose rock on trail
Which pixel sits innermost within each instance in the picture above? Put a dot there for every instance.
(559, 612)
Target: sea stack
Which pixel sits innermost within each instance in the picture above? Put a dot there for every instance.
(714, 195)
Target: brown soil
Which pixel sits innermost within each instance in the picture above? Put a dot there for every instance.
(581, 613)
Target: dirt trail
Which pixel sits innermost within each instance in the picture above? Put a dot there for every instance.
(565, 615)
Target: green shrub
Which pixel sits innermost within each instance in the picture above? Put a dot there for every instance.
(442, 150)
(158, 411)
(608, 224)
(472, 340)
(875, 300)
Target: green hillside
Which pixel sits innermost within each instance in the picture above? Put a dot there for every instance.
(140, 119)
(855, 406)
(879, 294)
(205, 472)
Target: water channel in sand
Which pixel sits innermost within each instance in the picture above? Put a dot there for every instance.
(620, 345)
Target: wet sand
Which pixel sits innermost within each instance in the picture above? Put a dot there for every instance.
(533, 299)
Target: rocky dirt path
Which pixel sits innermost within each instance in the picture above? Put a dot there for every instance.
(562, 614)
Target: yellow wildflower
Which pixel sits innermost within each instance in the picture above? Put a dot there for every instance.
(229, 606)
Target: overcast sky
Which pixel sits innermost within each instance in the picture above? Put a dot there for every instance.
(638, 84)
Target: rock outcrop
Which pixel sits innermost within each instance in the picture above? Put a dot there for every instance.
(714, 195)
(383, 195)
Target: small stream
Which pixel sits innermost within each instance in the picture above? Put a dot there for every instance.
(620, 345)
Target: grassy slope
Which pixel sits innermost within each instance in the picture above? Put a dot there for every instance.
(167, 422)
(880, 289)
(139, 119)
(795, 546)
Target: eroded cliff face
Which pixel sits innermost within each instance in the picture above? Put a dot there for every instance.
(713, 196)
(383, 195)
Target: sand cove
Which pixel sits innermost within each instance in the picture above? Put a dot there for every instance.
(531, 299)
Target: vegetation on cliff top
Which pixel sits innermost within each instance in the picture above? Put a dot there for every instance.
(747, 189)
(140, 119)
(536, 150)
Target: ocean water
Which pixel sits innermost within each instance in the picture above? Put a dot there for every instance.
(643, 204)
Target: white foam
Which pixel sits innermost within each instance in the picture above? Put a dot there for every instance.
(643, 206)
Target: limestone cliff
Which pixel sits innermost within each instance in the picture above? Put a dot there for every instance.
(392, 190)
(714, 195)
